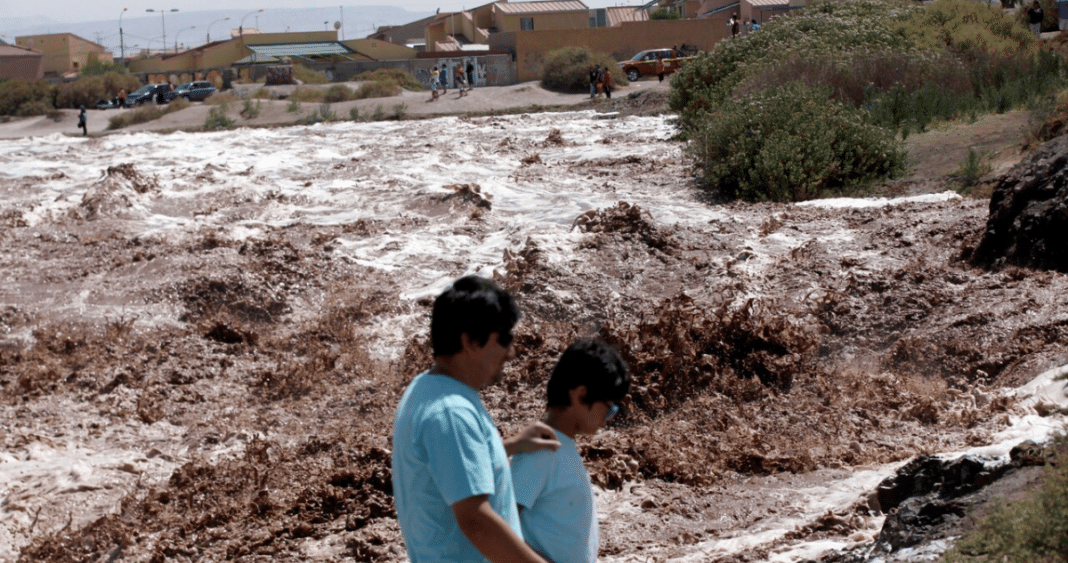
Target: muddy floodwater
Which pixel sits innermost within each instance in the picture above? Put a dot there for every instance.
(203, 336)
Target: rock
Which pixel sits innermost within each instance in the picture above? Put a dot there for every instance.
(1028, 220)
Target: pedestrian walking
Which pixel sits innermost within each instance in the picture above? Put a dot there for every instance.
(434, 75)
(461, 80)
(1034, 17)
(82, 119)
(606, 82)
(470, 75)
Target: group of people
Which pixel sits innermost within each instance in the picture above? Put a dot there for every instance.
(601, 81)
(462, 75)
(464, 494)
(735, 25)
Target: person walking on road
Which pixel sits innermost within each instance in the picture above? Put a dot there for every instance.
(82, 119)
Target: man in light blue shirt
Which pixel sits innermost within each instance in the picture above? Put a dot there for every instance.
(452, 484)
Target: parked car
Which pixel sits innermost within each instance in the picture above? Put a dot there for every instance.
(194, 91)
(645, 63)
(149, 93)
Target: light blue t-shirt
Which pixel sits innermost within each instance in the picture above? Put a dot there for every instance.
(446, 449)
(559, 515)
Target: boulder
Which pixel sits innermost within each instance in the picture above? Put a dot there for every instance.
(1028, 222)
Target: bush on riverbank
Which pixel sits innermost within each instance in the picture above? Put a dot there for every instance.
(901, 66)
(568, 69)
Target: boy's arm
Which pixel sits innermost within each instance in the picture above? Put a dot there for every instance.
(537, 436)
(490, 534)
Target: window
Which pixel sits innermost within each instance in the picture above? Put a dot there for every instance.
(599, 17)
(526, 24)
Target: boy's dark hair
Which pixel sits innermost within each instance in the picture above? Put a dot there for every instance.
(474, 306)
(592, 363)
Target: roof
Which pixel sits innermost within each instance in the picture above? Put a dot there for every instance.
(779, 3)
(619, 14)
(271, 53)
(541, 7)
(17, 51)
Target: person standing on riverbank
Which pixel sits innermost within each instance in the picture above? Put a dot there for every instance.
(452, 484)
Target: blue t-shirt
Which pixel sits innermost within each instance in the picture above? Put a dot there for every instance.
(559, 515)
(446, 449)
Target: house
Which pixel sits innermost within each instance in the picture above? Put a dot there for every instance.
(65, 54)
(20, 63)
(410, 34)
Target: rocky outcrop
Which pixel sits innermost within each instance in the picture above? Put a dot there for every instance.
(929, 502)
(1028, 222)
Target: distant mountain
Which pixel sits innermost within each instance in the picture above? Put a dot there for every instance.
(146, 30)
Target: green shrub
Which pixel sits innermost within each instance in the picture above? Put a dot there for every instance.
(377, 89)
(972, 168)
(217, 118)
(16, 93)
(399, 111)
(308, 76)
(354, 113)
(967, 28)
(665, 14)
(568, 69)
(146, 114)
(1029, 531)
(251, 110)
(261, 94)
(100, 67)
(825, 31)
(34, 107)
(791, 143)
(303, 94)
(338, 93)
(402, 78)
(221, 99)
(323, 114)
(88, 90)
(378, 114)
(293, 106)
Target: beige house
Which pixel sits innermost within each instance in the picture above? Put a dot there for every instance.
(20, 63)
(65, 54)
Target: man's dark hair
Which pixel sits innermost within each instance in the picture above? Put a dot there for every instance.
(474, 306)
(592, 363)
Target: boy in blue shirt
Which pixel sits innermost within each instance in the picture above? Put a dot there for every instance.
(558, 513)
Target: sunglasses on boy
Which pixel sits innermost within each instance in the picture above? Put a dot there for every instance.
(613, 409)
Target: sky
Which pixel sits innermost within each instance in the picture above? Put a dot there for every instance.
(82, 11)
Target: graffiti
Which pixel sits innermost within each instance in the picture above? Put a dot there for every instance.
(280, 74)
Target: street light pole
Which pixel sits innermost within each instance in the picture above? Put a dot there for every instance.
(176, 37)
(241, 28)
(122, 45)
(163, 22)
(213, 23)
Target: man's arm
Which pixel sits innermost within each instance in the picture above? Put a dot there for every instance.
(489, 532)
(537, 436)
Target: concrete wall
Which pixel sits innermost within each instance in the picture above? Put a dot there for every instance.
(490, 70)
(619, 42)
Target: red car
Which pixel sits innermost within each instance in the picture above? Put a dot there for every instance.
(645, 63)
